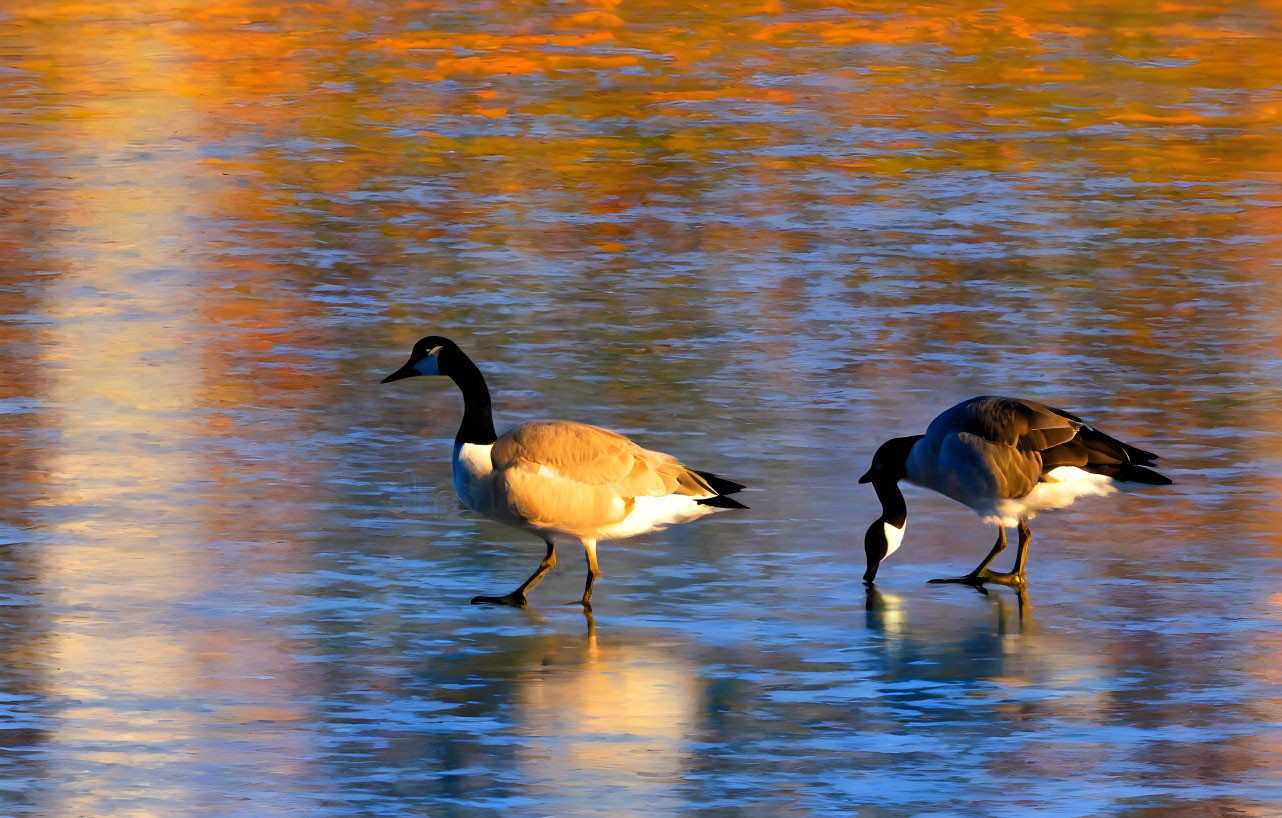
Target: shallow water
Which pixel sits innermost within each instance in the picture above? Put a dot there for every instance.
(761, 236)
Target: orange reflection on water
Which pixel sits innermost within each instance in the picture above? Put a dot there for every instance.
(598, 718)
(141, 673)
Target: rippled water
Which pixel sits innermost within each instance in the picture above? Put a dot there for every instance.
(762, 236)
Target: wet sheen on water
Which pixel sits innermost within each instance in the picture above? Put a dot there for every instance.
(762, 236)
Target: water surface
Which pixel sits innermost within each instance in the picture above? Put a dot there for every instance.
(762, 236)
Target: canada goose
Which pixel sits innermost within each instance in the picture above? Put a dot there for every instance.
(1005, 458)
(563, 481)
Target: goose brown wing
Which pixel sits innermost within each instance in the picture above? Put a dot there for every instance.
(997, 443)
(580, 478)
(1031, 436)
(1099, 453)
(1011, 422)
(1015, 443)
(592, 456)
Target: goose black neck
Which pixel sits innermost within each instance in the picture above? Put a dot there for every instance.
(478, 420)
(893, 508)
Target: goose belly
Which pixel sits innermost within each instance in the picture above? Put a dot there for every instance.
(471, 471)
(651, 513)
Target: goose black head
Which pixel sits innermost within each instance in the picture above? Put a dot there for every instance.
(889, 463)
(881, 540)
(889, 466)
(432, 355)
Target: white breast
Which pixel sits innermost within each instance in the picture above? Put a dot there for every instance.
(472, 467)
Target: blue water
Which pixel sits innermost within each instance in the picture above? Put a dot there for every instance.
(234, 579)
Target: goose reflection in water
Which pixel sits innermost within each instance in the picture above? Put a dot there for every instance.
(573, 717)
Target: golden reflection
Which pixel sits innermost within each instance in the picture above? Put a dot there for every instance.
(600, 717)
(885, 611)
(123, 650)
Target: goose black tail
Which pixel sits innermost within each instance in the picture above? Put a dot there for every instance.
(720, 501)
(720, 485)
(1131, 473)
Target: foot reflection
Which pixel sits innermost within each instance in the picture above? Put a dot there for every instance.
(949, 638)
(883, 609)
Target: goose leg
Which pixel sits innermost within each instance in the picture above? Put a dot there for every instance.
(981, 574)
(1021, 553)
(998, 547)
(517, 598)
(1015, 576)
(593, 572)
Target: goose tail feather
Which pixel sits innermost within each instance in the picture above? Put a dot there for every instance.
(720, 484)
(720, 501)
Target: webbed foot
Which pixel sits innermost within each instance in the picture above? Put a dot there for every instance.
(513, 600)
(979, 578)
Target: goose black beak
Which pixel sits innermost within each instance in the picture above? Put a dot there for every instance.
(867, 478)
(406, 371)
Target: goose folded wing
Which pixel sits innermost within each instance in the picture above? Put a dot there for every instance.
(1097, 452)
(538, 497)
(1056, 437)
(1008, 471)
(1046, 427)
(576, 473)
(1011, 422)
(1094, 451)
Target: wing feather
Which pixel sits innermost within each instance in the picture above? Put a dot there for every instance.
(573, 476)
(543, 499)
(1008, 471)
(1012, 435)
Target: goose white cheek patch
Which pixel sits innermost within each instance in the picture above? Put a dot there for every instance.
(894, 536)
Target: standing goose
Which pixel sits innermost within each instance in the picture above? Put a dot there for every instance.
(1005, 458)
(560, 480)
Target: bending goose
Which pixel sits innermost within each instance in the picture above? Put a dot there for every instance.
(1005, 458)
(560, 480)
